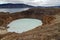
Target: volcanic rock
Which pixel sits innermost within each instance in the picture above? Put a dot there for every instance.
(50, 30)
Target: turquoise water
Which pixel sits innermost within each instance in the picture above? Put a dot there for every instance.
(23, 25)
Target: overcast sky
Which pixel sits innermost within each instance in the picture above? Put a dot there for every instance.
(34, 2)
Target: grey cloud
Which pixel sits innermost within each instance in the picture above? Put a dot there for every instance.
(35, 2)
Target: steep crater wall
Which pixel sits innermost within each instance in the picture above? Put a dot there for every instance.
(44, 14)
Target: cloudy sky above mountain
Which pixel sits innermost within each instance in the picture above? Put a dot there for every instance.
(34, 2)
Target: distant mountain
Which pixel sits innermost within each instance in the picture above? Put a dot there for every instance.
(48, 6)
(21, 5)
(55, 6)
(10, 5)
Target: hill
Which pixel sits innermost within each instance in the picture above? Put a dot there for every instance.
(50, 30)
(10, 5)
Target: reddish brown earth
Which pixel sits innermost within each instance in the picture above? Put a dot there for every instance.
(50, 30)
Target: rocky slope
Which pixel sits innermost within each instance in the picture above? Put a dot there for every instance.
(50, 30)
(37, 13)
